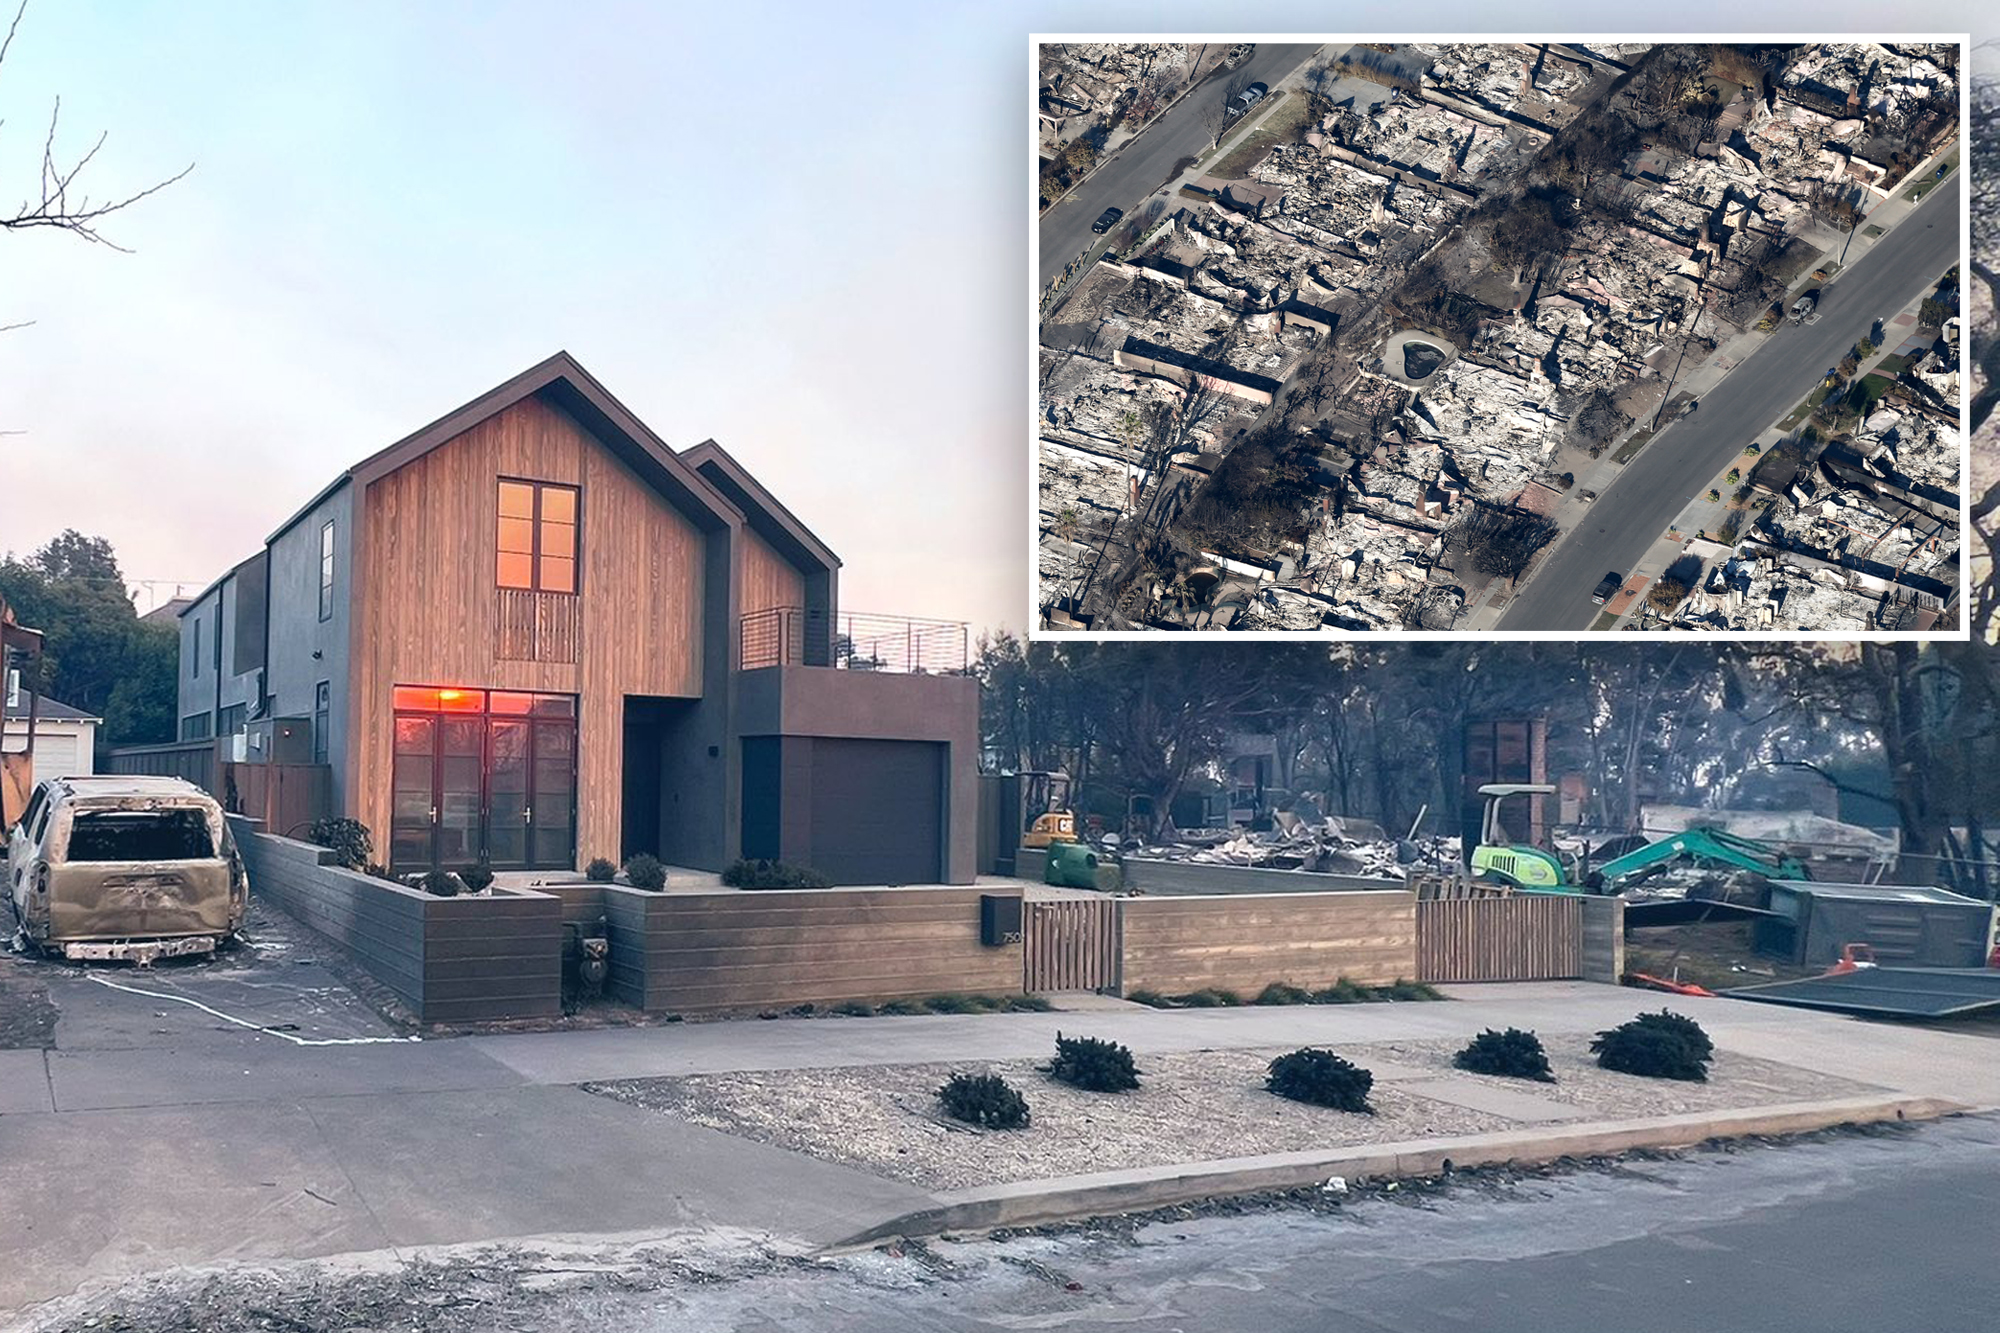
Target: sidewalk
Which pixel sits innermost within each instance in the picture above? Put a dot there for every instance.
(234, 1146)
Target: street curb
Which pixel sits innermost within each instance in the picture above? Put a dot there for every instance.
(1075, 1198)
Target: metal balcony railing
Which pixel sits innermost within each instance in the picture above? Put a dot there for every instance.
(795, 636)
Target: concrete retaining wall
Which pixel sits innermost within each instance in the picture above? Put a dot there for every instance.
(448, 959)
(1243, 942)
(705, 952)
(1197, 877)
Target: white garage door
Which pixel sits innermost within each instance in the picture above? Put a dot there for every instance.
(57, 756)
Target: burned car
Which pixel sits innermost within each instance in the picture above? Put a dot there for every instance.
(124, 867)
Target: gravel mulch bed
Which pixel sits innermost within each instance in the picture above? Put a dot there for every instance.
(1190, 1107)
(1734, 1081)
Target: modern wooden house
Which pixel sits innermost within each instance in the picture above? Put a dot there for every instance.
(533, 634)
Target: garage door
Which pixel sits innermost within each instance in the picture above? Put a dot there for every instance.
(878, 811)
(55, 756)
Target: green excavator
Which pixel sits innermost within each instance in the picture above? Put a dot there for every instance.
(1534, 870)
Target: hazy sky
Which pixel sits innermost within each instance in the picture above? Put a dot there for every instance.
(799, 230)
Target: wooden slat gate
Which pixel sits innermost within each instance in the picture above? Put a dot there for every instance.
(1524, 937)
(1069, 944)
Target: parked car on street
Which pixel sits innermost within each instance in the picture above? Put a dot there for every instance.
(1248, 98)
(1606, 587)
(1107, 220)
(124, 867)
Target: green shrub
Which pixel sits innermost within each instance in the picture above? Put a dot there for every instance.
(440, 884)
(376, 870)
(1209, 998)
(1033, 1004)
(952, 1004)
(347, 839)
(855, 1009)
(478, 878)
(1400, 989)
(1682, 1026)
(1321, 1078)
(1092, 1064)
(646, 872)
(1510, 1054)
(1150, 998)
(901, 1007)
(1343, 991)
(1651, 1046)
(600, 871)
(1280, 993)
(983, 1099)
(773, 875)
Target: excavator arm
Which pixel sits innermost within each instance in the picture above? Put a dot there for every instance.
(1709, 846)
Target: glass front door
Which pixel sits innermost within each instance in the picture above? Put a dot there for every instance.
(483, 775)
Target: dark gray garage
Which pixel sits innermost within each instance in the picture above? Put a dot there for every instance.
(858, 811)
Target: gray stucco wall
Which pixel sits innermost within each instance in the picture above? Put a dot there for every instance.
(297, 632)
(879, 705)
(215, 612)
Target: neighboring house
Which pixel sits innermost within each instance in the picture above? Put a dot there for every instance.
(532, 632)
(167, 612)
(65, 737)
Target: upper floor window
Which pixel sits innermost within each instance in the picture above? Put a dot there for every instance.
(537, 546)
(326, 570)
(194, 658)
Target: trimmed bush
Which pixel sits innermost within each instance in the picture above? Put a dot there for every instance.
(478, 878)
(1682, 1026)
(600, 871)
(347, 839)
(954, 1004)
(983, 1099)
(1280, 993)
(1400, 989)
(1321, 1078)
(1211, 999)
(1150, 998)
(1661, 1045)
(1510, 1054)
(855, 1009)
(646, 872)
(773, 875)
(1092, 1064)
(901, 1008)
(441, 884)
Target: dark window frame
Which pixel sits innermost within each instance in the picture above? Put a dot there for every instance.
(194, 672)
(326, 570)
(535, 521)
(322, 711)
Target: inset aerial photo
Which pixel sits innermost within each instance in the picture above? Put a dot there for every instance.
(1500, 337)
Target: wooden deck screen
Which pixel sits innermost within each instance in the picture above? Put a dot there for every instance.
(1524, 937)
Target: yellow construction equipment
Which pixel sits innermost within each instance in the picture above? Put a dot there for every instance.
(1045, 805)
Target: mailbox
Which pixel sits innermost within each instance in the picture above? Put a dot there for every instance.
(999, 919)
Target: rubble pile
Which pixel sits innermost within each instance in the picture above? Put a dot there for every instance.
(1082, 82)
(1313, 849)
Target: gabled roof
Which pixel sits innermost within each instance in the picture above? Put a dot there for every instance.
(767, 518)
(48, 710)
(563, 381)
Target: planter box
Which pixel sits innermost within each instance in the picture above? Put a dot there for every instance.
(450, 960)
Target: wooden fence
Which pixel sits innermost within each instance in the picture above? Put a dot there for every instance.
(193, 760)
(1070, 944)
(1523, 937)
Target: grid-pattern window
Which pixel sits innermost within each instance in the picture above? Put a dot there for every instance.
(326, 570)
(232, 719)
(194, 727)
(537, 542)
(322, 706)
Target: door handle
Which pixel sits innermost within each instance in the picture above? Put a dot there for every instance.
(527, 814)
(434, 814)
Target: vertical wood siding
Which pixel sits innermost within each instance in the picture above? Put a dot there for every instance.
(1070, 944)
(1524, 937)
(767, 580)
(1245, 941)
(432, 614)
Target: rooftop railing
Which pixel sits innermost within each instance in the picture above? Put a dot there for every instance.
(851, 641)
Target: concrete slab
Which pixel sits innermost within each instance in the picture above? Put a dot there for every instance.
(107, 1194)
(1090, 1002)
(24, 1083)
(471, 1166)
(125, 1008)
(1522, 1106)
(254, 1067)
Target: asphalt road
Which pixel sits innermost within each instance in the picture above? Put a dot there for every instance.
(1853, 1233)
(1684, 459)
(1145, 164)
